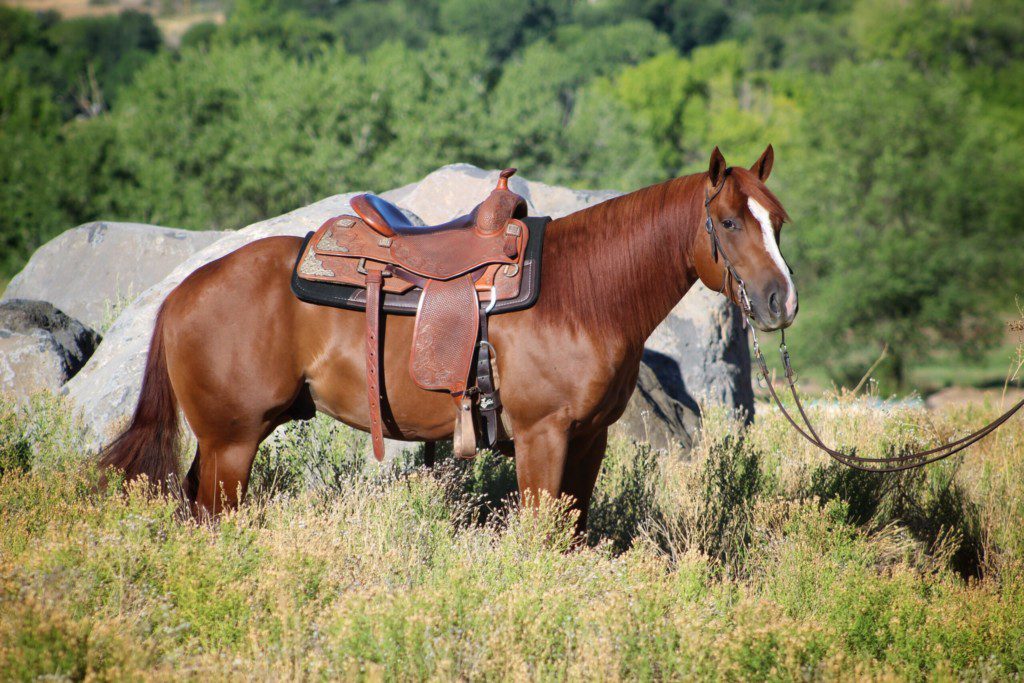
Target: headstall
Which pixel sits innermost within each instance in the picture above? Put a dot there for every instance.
(895, 463)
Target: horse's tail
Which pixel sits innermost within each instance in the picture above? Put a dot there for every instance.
(151, 444)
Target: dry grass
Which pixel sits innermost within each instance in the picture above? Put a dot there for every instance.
(754, 559)
(173, 20)
(71, 9)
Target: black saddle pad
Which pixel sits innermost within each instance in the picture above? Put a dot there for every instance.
(354, 298)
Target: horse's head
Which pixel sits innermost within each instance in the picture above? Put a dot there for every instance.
(747, 219)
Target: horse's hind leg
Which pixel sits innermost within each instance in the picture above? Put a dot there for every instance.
(191, 485)
(228, 442)
(223, 474)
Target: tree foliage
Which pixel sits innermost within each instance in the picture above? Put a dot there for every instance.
(898, 125)
(898, 228)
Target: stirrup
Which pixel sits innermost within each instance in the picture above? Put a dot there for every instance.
(464, 436)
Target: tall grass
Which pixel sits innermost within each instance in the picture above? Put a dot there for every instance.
(753, 558)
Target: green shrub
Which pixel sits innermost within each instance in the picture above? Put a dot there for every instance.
(751, 559)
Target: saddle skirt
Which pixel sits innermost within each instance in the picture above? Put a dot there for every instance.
(450, 276)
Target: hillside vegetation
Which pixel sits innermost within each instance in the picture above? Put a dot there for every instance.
(755, 559)
(898, 126)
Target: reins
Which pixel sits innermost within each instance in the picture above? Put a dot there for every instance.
(896, 463)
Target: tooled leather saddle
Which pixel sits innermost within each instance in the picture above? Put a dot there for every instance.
(452, 276)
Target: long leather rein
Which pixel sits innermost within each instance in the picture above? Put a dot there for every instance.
(895, 463)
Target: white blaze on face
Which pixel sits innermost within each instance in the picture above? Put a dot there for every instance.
(765, 219)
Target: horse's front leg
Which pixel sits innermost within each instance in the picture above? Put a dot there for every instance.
(581, 468)
(540, 459)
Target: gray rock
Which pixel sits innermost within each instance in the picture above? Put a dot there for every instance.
(655, 417)
(393, 450)
(454, 190)
(88, 270)
(40, 347)
(700, 353)
(105, 391)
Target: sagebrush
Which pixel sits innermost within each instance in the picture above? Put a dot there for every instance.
(751, 558)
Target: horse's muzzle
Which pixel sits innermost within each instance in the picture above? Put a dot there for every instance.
(775, 309)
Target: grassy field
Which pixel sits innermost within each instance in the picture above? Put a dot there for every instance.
(941, 372)
(752, 559)
(173, 18)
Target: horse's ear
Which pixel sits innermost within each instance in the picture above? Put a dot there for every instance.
(763, 166)
(716, 169)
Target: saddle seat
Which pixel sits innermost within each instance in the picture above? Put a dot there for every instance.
(380, 234)
(379, 251)
(388, 220)
(487, 218)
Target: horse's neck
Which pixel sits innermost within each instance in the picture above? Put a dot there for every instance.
(618, 268)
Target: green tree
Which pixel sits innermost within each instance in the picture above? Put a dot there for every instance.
(18, 29)
(86, 61)
(687, 23)
(940, 35)
(550, 117)
(811, 41)
(505, 26)
(277, 25)
(28, 170)
(199, 35)
(603, 147)
(902, 227)
(430, 109)
(688, 105)
(95, 57)
(220, 138)
(364, 26)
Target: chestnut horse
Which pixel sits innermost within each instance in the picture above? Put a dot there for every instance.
(239, 354)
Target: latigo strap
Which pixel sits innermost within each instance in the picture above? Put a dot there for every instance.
(489, 400)
(374, 278)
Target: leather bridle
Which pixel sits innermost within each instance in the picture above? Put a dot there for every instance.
(895, 463)
(716, 249)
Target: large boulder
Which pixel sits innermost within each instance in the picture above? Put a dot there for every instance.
(89, 270)
(700, 353)
(654, 416)
(698, 356)
(40, 347)
(454, 190)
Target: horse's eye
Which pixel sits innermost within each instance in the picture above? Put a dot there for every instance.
(729, 224)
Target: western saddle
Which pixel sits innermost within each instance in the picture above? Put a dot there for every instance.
(378, 260)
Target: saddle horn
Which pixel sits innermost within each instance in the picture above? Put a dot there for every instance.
(494, 212)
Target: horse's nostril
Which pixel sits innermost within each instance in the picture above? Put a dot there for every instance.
(773, 304)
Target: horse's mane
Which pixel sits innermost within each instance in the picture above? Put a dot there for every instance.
(597, 258)
(593, 258)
